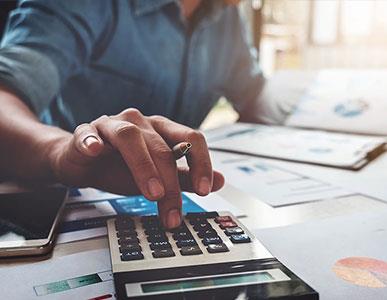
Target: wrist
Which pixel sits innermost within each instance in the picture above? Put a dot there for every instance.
(51, 149)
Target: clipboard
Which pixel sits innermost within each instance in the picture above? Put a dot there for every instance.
(331, 149)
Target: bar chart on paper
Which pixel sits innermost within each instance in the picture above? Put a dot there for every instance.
(272, 184)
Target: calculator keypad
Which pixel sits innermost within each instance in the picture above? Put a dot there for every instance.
(185, 240)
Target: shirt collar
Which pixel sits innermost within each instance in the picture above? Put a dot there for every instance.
(142, 7)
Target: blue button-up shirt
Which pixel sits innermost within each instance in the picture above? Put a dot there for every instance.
(73, 61)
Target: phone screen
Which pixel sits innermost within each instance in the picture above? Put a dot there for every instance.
(29, 215)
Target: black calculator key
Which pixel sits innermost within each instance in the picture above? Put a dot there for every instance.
(130, 247)
(212, 240)
(235, 230)
(190, 250)
(205, 215)
(197, 220)
(185, 243)
(160, 245)
(128, 239)
(207, 233)
(153, 231)
(159, 253)
(131, 255)
(182, 235)
(202, 226)
(124, 225)
(149, 219)
(216, 248)
(240, 238)
(158, 237)
(126, 232)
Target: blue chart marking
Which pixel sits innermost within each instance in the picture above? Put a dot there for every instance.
(133, 205)
(351, 108)
(246, 170)
(262, 167)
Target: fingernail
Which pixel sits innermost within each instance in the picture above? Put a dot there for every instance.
(155, 188)
(173, 218)
(204, 186)
(90, 140)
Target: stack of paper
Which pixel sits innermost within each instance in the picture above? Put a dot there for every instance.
(316, 147)
(345, 100)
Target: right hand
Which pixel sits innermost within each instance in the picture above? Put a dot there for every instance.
(130, 153)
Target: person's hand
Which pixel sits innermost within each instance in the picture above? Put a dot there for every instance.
(130, 153)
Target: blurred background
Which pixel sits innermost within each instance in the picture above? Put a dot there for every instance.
(312, 35)
(304, 35)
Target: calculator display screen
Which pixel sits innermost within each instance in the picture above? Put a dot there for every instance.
(207, 282)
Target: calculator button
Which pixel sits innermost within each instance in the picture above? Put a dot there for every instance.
(128, 239)
(205, 215)
(190, 250)
(126, 232)
(235, 230)
(202, 226)
(185, 243)
(216, 248)
(223, 219)
(149, 219)
(240, 238)
(130, 247)
(159, 253)
(160, 245)
(212, 240)
(225, 225)
(158, 237)
(131, 255)
(153, 231)
(207, 233)
(182, 235)
(124, 224)
(198, 220)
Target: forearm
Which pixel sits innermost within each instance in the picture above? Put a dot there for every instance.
(26, 144)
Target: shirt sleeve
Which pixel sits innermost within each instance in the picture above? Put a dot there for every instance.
(48, 41)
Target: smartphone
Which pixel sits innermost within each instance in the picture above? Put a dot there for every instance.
(28, 220)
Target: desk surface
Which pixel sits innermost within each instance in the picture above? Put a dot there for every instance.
(371, 181)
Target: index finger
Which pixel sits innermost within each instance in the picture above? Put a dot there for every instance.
(198, 159)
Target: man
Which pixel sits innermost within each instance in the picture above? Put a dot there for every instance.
(79, 65)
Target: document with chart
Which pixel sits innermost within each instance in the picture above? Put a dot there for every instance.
(339, 150)
(272, 184)
(344, 100)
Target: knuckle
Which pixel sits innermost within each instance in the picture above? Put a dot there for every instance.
(126, 130)
(172, 194)
(101, 119)
(157, 118)
(143, 166)
(81, 128)
(196, 136)
(131, 114)
(163, 152)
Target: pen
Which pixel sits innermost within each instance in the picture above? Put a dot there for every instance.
(181, 149)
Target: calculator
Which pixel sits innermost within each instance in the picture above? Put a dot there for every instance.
(210, 256)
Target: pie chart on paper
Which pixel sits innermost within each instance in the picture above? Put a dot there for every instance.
(363, 271)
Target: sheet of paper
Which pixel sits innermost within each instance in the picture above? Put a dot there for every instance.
(344, 100)
(84, 275)
(275, 185)
(342, 257)
(85, 219)
(317, 147)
